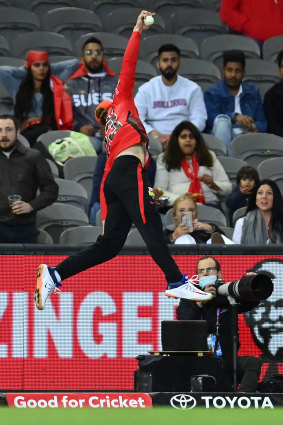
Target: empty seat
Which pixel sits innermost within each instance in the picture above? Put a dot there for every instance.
(23, 140)
(80, 169)
(212, 48)
(134, 239)
(11, 61)
(54, 44)
(51, 136)
(14, 21)
(231, 167)
(44, 237)
(4, 46)
(103, 8)
(72, 193)
(80, 235)
(263, 74)
(272, 169)
(202, 72)
(272, 47)
(41, 7)
(144, 70)
(72, 22)
(58, 217)
(197, 24)
(150, 45)
(256, 147)
(165, 8)
(112, 46)
(214, 144)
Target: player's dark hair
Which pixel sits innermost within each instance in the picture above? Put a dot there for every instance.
(169, 48)
(234, 56)
(11, 117)
(101, 113)
(173, 154)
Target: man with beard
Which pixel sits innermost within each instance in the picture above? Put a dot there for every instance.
(233, 107)
(91, 83)
(166, 100)
(23, 172)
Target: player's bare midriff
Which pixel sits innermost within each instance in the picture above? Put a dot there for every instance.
(137, 150)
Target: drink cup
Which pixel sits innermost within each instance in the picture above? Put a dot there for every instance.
(12, 199)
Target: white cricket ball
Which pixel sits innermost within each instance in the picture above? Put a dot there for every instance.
(149, 20)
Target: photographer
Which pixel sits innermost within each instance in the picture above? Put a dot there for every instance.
(217, 313)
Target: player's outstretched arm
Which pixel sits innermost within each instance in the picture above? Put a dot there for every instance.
(140, 25)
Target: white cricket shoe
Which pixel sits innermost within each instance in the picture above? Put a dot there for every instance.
(46, 284)
(186, 288)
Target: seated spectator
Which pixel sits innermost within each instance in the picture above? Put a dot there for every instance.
(166, 100)
(94, 205)
(198, 232)
(26, 173)
(273, 101)
(40, 101)
(188, 165)
(263, 221)
(233, 106)
(247, 178)
(259, 20)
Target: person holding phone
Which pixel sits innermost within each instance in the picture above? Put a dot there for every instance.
(187, 223)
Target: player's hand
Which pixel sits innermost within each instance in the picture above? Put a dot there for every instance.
(140, 25)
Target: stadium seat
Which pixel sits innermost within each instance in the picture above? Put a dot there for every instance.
(212, 48)
(272, 169)
(4, 46)
(103, 8)
(41, 7)
(150, 45)
(165, 8)
(15, 21)
(144, 70)
(72, 193)
(72, 22)
(113, 46)
(44, 237)
(58, 217)
(80, 235)
(122, 21)
(51, 136)
(231, 166)
(23, 140)
(228, 231)
(272, 47)
(197, 24)
(210, 4)
(206, 214)
(263, 74)
(134, 239)
(256, 147)
(202, 72)
(53, 167)
(11, 61)
(80, 170)
(54, 44)
(238, 214)
(214, 144)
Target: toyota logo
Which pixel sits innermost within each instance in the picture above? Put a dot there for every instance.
(183, 401)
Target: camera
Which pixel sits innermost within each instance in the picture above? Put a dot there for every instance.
(249, 287)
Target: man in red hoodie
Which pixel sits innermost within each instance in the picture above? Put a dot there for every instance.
(257, 19)
(125, 197)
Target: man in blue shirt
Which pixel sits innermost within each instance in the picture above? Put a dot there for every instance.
(233, 106)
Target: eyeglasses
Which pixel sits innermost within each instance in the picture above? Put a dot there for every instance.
(209, 270)
(94, 52)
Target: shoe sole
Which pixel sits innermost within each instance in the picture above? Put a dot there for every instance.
(191, 299)
(37, 293)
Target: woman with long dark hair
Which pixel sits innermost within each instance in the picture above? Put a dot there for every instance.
(263, 221)
(188, 165)
(40, 101)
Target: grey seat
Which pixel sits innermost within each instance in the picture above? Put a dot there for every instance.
(23, 140)
(72, 193)
(272, 169)
(80, 235)
(44, 237)
(54, 44)
(14, 21)
(228, 231)
(206, 214)
(197, 24)
(151, 43)
(134, 239)
(112, 45)
(272, 47)
(4, 46)
(41, 7)
(238, 214)
(165, 8)
(58, 217)
(263, 74)
(214, 144)
(72, 22)
(122, 21)
(212, 48)
(51, 136)
(256, 147)
(103, 8)
(202, 72)
(53, 167)
(232, 166)
(11, 61)
(80, 170)
(144, 70)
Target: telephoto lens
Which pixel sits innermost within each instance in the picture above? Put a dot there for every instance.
(249, 287)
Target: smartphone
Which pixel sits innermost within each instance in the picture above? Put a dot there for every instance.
(187, 220)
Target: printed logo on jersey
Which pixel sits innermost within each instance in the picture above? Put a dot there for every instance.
(111, 128)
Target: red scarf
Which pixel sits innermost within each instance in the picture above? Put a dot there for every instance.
(62, 105)
(191, 172)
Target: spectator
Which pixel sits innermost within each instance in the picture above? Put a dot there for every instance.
(273, 103)
(247, 178)
(263, 221)
(166, 100)
(218, 315)
(91, 83)
(189, 166)
(23, 172)
(233, 106)
(259, 20)
(40, 102)
(200, 232)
